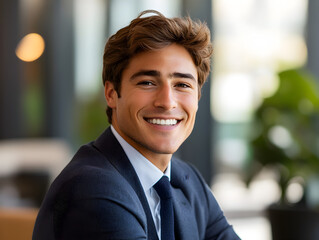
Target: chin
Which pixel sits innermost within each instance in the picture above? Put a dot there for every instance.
(165, 150)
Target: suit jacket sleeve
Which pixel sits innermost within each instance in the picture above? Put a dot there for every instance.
(93, 219)
(91, 211)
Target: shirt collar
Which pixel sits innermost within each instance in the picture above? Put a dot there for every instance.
(146, 171)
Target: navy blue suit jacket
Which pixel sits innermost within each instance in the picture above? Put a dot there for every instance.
(99, 196)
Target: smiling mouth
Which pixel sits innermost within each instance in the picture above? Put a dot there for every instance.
(162, 122)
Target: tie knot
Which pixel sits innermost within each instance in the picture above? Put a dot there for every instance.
(163, 188)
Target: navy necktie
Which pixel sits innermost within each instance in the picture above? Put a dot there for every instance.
(163, 189)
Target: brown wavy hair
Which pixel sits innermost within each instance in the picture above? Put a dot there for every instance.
(152, 33)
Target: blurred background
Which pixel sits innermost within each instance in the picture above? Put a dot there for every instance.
(255, 140)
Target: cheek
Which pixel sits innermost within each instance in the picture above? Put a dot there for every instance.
(191, 105)
(139, 101)
(132, 104)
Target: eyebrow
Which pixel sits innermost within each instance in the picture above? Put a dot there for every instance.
(151, 73)
(182, 75)
(154, 73)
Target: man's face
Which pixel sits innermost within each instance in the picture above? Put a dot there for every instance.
(158, 101)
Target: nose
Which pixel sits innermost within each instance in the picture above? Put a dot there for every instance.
(165, 97)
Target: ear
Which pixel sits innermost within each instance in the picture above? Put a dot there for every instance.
(110, 94)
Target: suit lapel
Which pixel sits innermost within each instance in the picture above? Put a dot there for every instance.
(185, 219)
(110, 147)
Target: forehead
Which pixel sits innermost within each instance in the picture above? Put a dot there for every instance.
(167, 60)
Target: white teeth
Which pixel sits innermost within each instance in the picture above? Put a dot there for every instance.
(165, 122)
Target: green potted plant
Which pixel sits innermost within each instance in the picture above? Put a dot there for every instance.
(286, 140)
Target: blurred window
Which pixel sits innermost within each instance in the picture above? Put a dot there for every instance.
(123, 11)
(253, 41)
(90, 26)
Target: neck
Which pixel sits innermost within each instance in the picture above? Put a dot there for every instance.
(160, 160)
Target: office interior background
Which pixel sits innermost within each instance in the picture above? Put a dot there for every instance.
(51, 98)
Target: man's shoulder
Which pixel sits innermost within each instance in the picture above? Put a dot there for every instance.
(90, 192)
(90, 174)
(92, 163)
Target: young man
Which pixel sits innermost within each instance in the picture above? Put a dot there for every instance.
(153, 73)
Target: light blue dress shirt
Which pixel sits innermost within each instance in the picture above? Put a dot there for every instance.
(148, 175)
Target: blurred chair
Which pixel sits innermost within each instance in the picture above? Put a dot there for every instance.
(35, 154)
(17, 224)
(27, 166)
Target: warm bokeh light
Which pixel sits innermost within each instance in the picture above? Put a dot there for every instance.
(30, 48)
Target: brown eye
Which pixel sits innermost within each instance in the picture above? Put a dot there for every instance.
(183, 85)
(145, 83)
